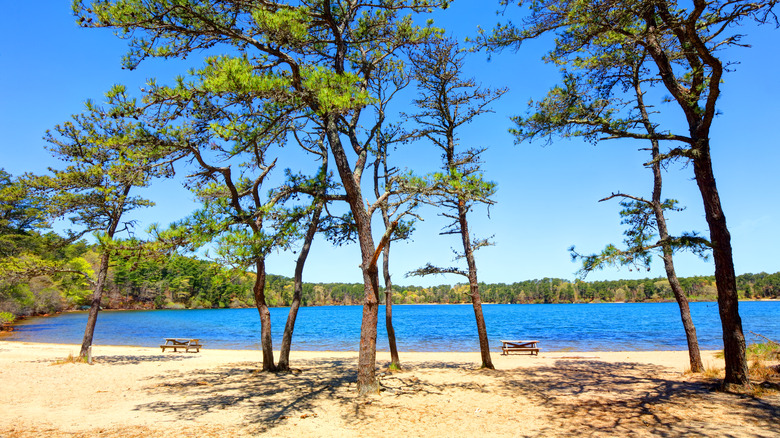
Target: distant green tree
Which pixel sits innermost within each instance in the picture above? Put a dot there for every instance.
(19, 217)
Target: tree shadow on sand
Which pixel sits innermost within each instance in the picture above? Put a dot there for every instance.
(265, 399)
(593, 398)
(572, 397)
(435, 365)
(135, 360)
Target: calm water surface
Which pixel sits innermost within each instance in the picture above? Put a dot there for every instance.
(558, 327)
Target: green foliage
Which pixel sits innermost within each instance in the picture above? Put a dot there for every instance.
(641, 240)
(6, 317)
(108, 152)
(604, 46)
(282, 49)
(183, 282)
(446, 101)
(19, 217)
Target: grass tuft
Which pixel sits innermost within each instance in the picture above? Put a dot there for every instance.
(70, 359)
(712, 372)
(763, 351)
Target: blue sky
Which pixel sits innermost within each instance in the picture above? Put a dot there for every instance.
(547, 195)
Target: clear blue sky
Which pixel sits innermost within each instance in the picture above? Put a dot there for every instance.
(547, 195)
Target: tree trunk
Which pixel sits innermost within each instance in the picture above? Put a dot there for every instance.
(265, 318)
(97, 295)
(682, 301)
(663, 233)
(725, 278)
(366, 379)
(89, 331)
(395, 362)
(476, 299)
(699, 122)
(284, 354)
(685, 313)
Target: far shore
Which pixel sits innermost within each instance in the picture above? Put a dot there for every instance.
(142, 392)
(382, 304)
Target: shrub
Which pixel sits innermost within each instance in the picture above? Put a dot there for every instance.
(6, 318)
(159, 301)
(172, 305)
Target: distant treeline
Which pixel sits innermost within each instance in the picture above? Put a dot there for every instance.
(184, 282)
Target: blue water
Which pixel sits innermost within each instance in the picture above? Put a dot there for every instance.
(558, 327)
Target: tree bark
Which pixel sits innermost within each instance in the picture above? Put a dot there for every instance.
(97, 295)
(265, 317)
(366, 379)
(725, 278)
(700, 60)
(94, 308)
(682, 301)
(311, 231)
(663, 233)
(476, 299)
(395, 361)
(694, 354)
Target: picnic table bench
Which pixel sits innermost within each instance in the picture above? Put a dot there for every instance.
(531, 347)
(188, 345)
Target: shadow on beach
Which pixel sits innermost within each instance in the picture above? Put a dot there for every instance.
(264, 398)
(594, 398)
(135, 360)
(565, 398)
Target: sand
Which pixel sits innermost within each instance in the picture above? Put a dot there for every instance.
(141, 392)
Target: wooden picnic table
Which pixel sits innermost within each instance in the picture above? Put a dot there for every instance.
(188, 345)
(531, 347)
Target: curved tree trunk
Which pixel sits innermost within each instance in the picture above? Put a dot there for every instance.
(685, 314)
(725, 278)
(682, 301)
(97, 295)
(284, 354)
(395, 362)
(366, 379)
(265, 318)
(476, 299)
(663, 233)
(671, 274)
(699, 122)
(94, 308)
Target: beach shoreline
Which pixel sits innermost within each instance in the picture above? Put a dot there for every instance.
(675, 359)
(140, 391)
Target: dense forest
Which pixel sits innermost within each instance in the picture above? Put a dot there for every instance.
(180, 282)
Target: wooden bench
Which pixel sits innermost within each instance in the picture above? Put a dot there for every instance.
(531, 347)
(188, 345)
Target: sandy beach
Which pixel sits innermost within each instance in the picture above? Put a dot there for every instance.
(141, 392)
